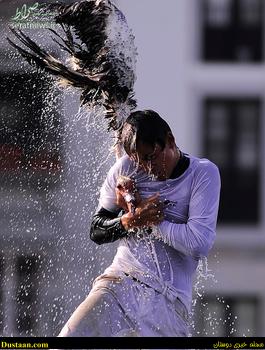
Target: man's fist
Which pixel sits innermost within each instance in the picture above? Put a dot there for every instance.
(127, 196)
(147, 213)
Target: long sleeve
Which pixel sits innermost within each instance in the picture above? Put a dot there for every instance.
(196, 236)
(106, 224)
(106, 227)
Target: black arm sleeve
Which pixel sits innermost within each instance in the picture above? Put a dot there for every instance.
(106, 227)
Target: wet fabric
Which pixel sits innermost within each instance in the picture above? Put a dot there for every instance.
(123, 307)
(147, 290)
(170, 254)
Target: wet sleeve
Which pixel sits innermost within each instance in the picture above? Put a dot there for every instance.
(106, 227)
(107, 198)
(106, 224)
(196, 237)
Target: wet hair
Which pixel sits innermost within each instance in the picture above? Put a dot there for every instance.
(145, 126)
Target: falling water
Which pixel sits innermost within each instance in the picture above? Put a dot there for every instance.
(48, 232)
(48, 262)
(206, 320)
(87, 157)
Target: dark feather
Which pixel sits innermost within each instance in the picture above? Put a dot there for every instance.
(47, 62)
(99, 75)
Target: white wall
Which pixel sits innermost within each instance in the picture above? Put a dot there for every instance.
(164, 55)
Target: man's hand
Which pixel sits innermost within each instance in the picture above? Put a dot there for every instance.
(127, 196)
(139, 212)
(147, 213)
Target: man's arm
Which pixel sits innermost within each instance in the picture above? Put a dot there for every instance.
(196, 237)
(106, 227)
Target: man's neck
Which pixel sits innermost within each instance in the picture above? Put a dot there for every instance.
(181, 166)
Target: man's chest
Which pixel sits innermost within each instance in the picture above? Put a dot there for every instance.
(175, 195)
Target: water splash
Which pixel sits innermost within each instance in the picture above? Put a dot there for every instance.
(211, 314)
(47, 262)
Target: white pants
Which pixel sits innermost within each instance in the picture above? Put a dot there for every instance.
(126, 308)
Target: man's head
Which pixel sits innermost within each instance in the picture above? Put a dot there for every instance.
(147, 139)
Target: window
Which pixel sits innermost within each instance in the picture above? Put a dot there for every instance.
(227, 317)
(26, 294)
(232, 30)
(232, 141)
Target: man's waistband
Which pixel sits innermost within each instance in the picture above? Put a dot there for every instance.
(169, 292)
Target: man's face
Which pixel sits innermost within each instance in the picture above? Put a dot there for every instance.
(154, 160)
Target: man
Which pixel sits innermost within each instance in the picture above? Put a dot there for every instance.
(147, 290)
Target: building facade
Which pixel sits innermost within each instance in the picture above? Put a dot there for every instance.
(201, 65)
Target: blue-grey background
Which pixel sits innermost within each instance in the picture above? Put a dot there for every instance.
(201, 66)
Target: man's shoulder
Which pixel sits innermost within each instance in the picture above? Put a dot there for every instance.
(125, 159)
(203, 165)
(123, 162)
(123, 165)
